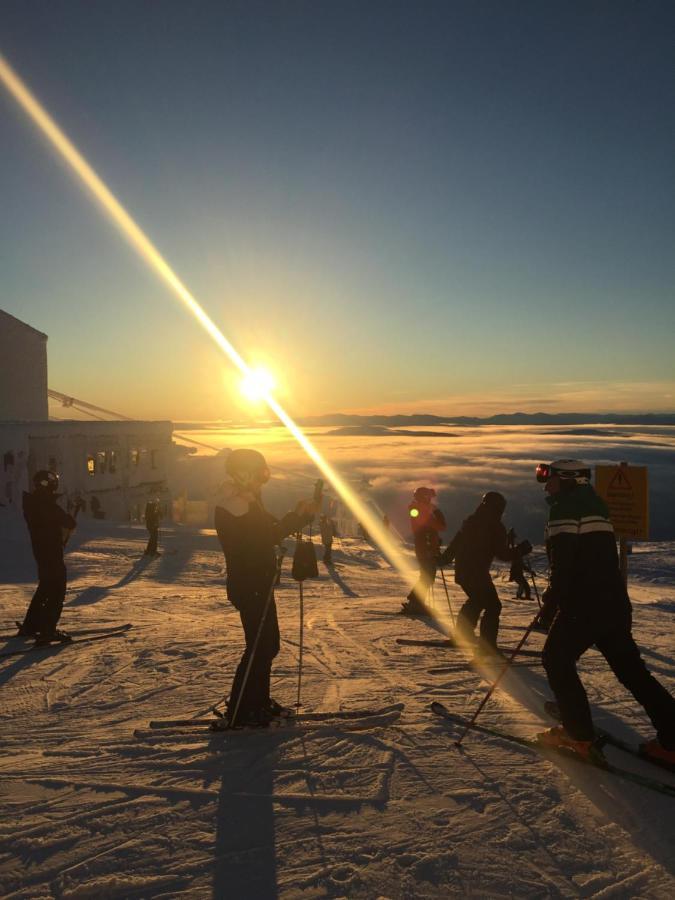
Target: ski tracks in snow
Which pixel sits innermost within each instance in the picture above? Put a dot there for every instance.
(391, 809)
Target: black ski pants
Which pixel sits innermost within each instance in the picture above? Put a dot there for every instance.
(567, 640)
(482, 598)
(418, 595)
(153, 537)
(258, 616)
(45, 608)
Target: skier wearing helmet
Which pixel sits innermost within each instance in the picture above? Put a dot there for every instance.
(248, 535)
(427, 521)
(593, 609)
(49, 527)
(481, 538)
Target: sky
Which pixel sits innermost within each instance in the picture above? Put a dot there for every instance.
(453, 207)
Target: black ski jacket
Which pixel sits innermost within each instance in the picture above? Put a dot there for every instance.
(248, 535)
(46, 524)
(481, 538)
(585, 579)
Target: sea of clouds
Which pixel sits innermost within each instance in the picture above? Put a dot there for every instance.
(463, 463)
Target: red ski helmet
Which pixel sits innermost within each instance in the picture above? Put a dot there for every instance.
(424, 495)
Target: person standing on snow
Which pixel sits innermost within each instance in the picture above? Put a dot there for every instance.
(327, 529)
(153, 517)
(49, 527)
(427, 522)
(481, 538)
(593, 609)
(248, 535)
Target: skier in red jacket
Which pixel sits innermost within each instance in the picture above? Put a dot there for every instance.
(427, 522)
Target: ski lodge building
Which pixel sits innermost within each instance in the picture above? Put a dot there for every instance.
(111, 467)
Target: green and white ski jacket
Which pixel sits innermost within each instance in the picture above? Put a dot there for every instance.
(585, 576)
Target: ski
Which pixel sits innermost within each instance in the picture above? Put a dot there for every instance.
(474, 664)
(606, 737)
(449, 644)
(533, 744)
(341, 714)
(76, 632)
(292, 726)
(35, 648)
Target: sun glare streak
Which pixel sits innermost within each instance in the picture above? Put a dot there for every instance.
(257, 384)
(147, 250)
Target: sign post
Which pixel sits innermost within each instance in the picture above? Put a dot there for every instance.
(625, 490)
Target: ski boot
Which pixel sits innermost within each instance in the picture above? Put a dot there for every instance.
(655, 752)
(52, 637)
(277, 710)
(252, 718)
(24, 631)
(559, 739)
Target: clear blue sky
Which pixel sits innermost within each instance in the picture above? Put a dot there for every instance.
(444, 207)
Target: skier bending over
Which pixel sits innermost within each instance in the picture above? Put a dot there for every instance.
(481, 538)
(49, 527)
(427, 521)
(593, 608)
(248, 535)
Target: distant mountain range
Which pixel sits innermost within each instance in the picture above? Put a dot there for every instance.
(517, 418)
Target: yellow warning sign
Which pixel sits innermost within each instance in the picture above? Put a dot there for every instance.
(625, 490)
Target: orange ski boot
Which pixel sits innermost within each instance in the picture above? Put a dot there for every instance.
(655, 752)
(558, 739)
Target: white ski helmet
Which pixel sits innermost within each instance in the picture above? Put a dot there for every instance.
(567, 469)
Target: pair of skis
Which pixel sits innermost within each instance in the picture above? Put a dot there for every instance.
(355, 719)
(598, 760)
(78, 636)
(449, 644)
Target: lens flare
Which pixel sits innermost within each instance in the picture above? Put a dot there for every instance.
(257, 384)
(147, 250)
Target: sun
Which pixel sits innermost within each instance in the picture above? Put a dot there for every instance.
(257, 384)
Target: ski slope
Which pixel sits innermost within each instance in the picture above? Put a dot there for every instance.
(88, 808)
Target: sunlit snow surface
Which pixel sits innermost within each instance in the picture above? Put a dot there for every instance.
(90, 810)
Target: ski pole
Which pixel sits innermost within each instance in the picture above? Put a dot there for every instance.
(302, 642)
(447, 596)
(503, 672)
(244, 682)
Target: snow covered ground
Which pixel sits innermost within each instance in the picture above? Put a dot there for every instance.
(90, 809)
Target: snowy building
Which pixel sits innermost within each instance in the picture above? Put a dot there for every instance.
(113, 467)
(23, 371)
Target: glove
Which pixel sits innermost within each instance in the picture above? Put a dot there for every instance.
(523, 548)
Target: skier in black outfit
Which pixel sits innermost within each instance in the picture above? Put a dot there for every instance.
(593, 608)
(153, 517)
(248, 535)
(481, 538)
(49, 527)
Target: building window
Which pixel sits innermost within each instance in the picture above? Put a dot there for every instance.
(100, 462)
(112, 461)
(52, 463)
(135, 456)
(91, 465)
(153, 459)
(8, 459)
